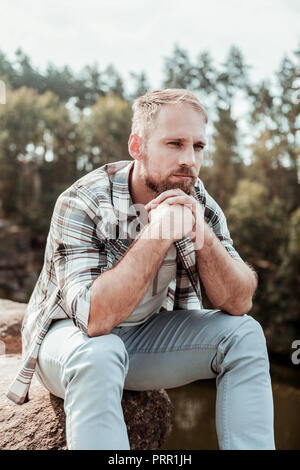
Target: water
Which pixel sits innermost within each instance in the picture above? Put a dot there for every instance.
(194, 413)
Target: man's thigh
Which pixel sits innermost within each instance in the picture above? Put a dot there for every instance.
(61, 341)
(169, 350)
(175, 348)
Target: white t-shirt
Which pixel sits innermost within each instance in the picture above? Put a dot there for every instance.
(157, 290)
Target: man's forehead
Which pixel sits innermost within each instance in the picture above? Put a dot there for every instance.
(180, 122)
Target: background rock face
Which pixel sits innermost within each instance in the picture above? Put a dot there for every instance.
(11, 316)
(40, 423)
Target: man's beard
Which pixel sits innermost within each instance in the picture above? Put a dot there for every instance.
(158, 188)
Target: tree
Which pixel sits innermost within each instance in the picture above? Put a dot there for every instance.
(274, 117)
(113, 82)
(259, 227)
(141, 84)
(178, 70)
(204, 73)
(107, 129)
(39, 149)
(6, 69)
(61, 82)
(20, 125)
(89, 86)
(232, 78)
(227, 166)
(25, 74)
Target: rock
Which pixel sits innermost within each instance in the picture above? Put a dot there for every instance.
(40, 423)
(11, 317)
(148, 417)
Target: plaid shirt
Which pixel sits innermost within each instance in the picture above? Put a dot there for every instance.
(83, 242)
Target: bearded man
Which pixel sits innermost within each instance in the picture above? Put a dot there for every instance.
(118, 302)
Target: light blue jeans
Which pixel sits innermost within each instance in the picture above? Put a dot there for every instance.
(169, 350)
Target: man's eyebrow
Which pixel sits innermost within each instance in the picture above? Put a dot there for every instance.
(183, 139)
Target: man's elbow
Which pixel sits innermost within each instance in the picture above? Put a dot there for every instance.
(97, 326)
(94, 331)
(241, 309)
(237, 308)
(99, 315)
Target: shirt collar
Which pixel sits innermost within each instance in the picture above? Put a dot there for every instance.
(121, 197)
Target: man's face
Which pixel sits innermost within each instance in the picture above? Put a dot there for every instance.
(174, 149)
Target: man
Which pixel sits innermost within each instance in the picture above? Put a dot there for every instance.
(118, 301)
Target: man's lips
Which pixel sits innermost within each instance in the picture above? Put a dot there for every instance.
(179, 175)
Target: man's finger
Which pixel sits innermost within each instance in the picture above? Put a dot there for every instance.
(171, 199)
(166, 194)
(151, 205)
(186, 200)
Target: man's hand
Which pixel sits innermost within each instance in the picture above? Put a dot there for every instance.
(175, 197)
(171, 221)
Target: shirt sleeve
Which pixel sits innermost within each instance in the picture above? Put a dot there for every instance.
(216, 219)
(79, 255)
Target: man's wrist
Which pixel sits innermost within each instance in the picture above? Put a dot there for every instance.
(208, 239)
(154, 232)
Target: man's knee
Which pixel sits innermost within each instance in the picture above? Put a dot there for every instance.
(248, 339)
(243, 344)
(251, 331)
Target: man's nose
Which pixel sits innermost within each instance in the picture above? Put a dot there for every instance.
(187, 157)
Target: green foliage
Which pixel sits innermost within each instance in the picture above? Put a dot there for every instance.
(34, 128)
(227, 166)
(142, 85)
(106, 131)
(257, 223)
(178, 70)
(84, 88)
(294, 236)
(267, 237)
(232, 78)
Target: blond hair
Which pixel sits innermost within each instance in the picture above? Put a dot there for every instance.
(146, 107)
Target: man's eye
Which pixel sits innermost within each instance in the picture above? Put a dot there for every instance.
(175, 143)
(199, 147)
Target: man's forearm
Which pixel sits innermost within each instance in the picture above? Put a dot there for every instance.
(117, 292)
(229, 283)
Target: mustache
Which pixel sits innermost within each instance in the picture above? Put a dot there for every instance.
(184, 171)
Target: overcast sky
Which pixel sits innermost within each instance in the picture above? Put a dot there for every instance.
(136, 35)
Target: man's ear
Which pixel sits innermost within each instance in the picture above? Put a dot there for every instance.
(134, 146)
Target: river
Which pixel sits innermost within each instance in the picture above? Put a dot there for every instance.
(194, 412)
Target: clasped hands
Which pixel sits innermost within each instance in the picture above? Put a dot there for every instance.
(186, 212)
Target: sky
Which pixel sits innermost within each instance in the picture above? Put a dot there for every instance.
(136, 35)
